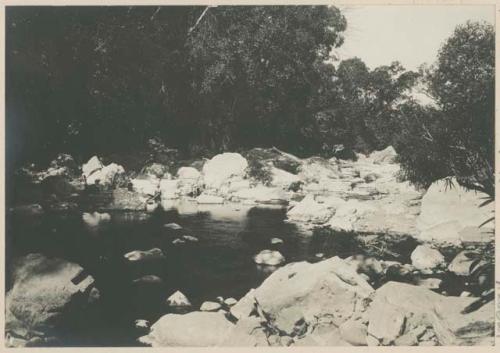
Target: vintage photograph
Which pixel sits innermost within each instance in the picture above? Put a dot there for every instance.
(249, 176)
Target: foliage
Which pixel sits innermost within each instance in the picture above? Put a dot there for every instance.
(457, 137)
(258, 171)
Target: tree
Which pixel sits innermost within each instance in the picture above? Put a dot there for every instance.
(460, 135)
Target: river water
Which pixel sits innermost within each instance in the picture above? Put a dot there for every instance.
(219, 264)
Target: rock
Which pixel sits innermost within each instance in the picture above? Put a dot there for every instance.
(320, 255)
(32, 209)
(209, 199)
(230, 301)
(222, 167)
(426, 258)
(141, 324)
(410, 338)
(446, 212)
(304, 293)
(46, 295)
(372, 341)
(138, 255)
(95, 219)
(248, 332)
(148, 280)
(188, 173)
(282, 179)
(461, 264)
(210, 306)
(106, 175)
(173, 226)
(190, 238)
(388, 326)
(465, 294)
(354, 332)
(269, 257)
(308, 210)
(146, 186)
(275, 241)
(195, 329)
(64, 160)
(178, 241)
(169, 189)
(245, 306)
(178, 299)
(422, 307)
(386, 156)
(324, 334)
(93, 165)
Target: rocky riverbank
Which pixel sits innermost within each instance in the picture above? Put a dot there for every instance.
(374, 298)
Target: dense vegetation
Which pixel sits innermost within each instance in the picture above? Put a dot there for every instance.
(89, 80)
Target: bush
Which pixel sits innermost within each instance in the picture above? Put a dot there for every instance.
(259, 172)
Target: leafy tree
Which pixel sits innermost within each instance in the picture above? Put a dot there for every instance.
(457, 138)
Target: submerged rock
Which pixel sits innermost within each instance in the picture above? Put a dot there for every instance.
(173, 226)
(47, 294)
(139, 255)
(269, 257)
(95, 219)
(195, 329)
(32, 209)
(426, 258)
(148, 280)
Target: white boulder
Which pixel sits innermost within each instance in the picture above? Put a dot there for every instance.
(448, 212)
(188, 173)
(222, 167)
(168, 189)
(426, 258)
(106, 175)
(148, 186)
(210, 306)
(93, 165)
(94, 219)
(385, 156)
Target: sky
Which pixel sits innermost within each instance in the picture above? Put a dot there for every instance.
(410, 34)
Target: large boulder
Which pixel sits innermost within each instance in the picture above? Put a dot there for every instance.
(282, 178)
(146, 185)
(94, 164)
(195, 329)
(297, 296)
(385, 156)
(123, 199)
(47, 295)
(106, 175)
(449, 214)
(398, 309)
(222, 167)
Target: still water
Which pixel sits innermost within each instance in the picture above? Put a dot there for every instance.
(219, 264)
